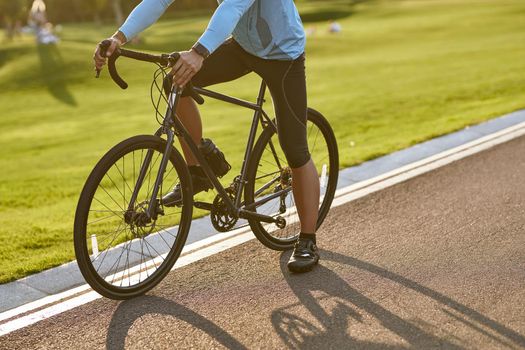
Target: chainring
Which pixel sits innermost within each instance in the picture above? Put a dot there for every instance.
(221, 216)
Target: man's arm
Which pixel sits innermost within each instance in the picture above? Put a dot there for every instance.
(144, 15)
(223, 22)
(221, 26)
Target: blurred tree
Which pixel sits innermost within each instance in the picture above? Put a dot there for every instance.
(117, 10)
(60, 11)
(11, 11)
(98, 6)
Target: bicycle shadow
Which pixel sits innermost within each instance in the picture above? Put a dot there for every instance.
(53, 73)
(299, 333)
(131, 310)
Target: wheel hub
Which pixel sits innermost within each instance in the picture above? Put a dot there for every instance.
(140, 223)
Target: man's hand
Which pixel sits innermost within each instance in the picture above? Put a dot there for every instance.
(189, 63)
(100, 60)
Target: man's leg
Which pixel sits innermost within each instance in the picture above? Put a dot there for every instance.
(287, 84)
(188, 114)
(223, 65)
(306, 193)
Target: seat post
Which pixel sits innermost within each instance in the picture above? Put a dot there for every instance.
(262, 91)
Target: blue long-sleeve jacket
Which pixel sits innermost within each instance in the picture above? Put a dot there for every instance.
(270, 29)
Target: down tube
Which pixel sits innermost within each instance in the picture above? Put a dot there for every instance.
(197, 154)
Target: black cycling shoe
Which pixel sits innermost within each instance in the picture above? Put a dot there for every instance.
(199, 181)
(304, 257)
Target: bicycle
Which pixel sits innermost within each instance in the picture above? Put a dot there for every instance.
(126, 240)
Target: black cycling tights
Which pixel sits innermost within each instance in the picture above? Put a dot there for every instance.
(286, 81)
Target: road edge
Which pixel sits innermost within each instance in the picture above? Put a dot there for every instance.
(355, 182)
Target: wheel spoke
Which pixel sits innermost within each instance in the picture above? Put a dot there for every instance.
(269, 158)
(110, 196)
(117, 232)
(105, 206)
(128, 251)
(122, 174)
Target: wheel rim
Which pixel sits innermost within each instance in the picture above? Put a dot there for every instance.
(124, 251)
(273, 174)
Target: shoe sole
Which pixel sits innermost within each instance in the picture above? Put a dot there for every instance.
(303, 268)
(179, 202)
(173, 204)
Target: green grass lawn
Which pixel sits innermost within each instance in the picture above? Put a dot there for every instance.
(400, 72)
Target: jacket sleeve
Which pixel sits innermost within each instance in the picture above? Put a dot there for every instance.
(144, 15)
(223, 22)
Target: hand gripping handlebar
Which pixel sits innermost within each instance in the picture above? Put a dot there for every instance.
(166, 60)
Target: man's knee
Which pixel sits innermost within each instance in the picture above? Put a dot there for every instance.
(298, 160)
(296, 155)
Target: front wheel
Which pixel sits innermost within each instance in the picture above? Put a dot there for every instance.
(269, 182)
(121, 250)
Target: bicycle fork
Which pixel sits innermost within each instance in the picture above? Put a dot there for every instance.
(166, 128)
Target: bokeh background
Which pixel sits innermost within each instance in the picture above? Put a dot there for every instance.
(386, 73)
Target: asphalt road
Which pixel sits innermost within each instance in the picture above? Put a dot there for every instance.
(434, 262)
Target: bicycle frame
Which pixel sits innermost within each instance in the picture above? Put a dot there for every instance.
(172, 127)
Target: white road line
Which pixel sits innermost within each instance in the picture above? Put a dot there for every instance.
(85, 298)
(51, 299)
(221, 242)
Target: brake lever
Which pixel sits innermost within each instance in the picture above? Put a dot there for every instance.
(104, 46)
(172, 59)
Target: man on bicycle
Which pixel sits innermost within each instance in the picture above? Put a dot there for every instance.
(243, 36)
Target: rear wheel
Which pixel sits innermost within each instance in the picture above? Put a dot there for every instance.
(269, 182)
(120, 250)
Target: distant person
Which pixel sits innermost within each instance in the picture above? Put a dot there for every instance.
(46, 36)
(267, 37)
(334, 27)
(37, 14)
(38, 21)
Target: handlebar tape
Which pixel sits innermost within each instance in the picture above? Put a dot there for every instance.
(113, 72)
(104, 46)
(141, 56)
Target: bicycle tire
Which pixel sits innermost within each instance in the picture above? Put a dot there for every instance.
(260, 232)
(92, 277)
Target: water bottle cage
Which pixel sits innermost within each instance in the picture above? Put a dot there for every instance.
(214, 157)
(218, 162)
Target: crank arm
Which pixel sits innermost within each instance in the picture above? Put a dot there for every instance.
(245, 214)
(203, 205)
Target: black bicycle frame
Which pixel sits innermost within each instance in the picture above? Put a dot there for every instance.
(171, 122)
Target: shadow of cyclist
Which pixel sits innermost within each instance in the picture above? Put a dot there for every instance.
(297, 332)
(53, 73)
(130, 311)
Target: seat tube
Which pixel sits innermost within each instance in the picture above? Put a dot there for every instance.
(262, 91)
(251, 141)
